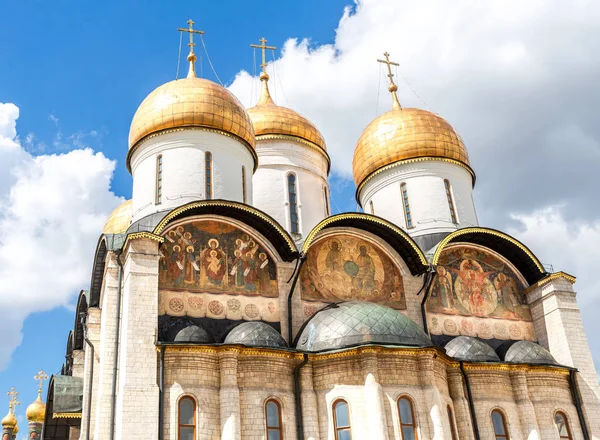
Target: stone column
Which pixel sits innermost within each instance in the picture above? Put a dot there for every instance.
(310, 410)
(35, 430)
(229, 395)
(559, 328)
(137, 391)
(373, 393)
(527, 415)
(462, 414)
(93, 334)
(433, 399)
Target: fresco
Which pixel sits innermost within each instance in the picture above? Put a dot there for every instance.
(215, 257)
(345, 267)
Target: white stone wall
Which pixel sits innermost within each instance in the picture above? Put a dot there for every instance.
(276, 160)
(427, 196)
(183, 175)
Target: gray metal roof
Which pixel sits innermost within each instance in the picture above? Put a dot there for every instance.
(255, 334)
(196, 334)
(466, 348)
(526, 352)
(356, 323)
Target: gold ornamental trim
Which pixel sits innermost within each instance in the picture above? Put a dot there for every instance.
(493, 232)
(526, 368)
(412, 160)
(140, 235)
(301, 140)
(174, 213)
(236, 349)
(180, 128)
(555, 276)
(361, 216)
(66, 415)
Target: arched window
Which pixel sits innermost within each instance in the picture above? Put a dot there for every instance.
(499, 423)
(208, 188)
(326, 200)
(450, 201)
(159, 165)
(273, 420)
(187, 419)
(371, 208)
(407, 213)
(564, 431)
(341, 420)
(293, 201)
(244, 183)
(408, 424)
(452, 424)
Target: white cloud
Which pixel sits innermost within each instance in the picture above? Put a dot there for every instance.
(52, 208)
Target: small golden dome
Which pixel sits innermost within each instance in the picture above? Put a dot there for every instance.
(402, 134)
(191, 102)
(270, 119)
(16, 430)
(119, 220)
(36, 411)
(9, 421)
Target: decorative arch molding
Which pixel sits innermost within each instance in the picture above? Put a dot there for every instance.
(505, 245)
(82, 307)
(256, 219)
(399, 240)
(97, 273)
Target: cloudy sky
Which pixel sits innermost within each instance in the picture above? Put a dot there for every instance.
(518, 80)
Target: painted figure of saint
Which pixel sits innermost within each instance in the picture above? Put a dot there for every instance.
(333, 256)
(213, 262)
(264, 278)
(473, 288)
(237, 269)
(250, 271)
(442, 288)
(508, 293)
(176, 265)
(364, 281)
(191, 266)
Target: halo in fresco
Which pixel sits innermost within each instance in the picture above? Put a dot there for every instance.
(345, 267)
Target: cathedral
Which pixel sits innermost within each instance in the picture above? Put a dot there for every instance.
(227, 302)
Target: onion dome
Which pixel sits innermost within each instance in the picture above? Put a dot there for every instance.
(194, 334)
(15, 430)
(527, 352)
(272, 121)
(255, 334)
(466, 348)
(36, 411)
(357, 323)
(9, 421)
(119, 220)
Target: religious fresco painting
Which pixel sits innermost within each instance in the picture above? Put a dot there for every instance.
(474, 283)
(345, 267)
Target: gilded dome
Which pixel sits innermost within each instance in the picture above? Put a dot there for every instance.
(405, 133)
(191, 102)
(9, 421)
(119, 220)
(270, 119)
(36, 411)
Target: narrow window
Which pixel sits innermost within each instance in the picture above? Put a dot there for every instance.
(408, 424)
(208, 175)
(244, 183)
(159, 165)
(371, 208)
(452, 424)
(326, 200)
(450, 201)
(187, 419)
(293, 200)
(500, 428)
(407, 214)
(273, 420)
(562, 425)
(341, 420)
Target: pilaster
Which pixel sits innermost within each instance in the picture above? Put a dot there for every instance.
(433, 399)
(93, 334)
(462, 415)
(310, 410)
(373, 395)
(229, 395)
(527, 414)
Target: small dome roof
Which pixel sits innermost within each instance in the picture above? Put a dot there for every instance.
(195, 334)
(355, 323)
(9, 421)
(119, 220)
(255, 334)
(466, 348)
(36, 411)
(527, 352)
(270, 119)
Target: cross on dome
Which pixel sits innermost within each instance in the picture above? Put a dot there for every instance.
(263, 48)
(191, 56)
(41, 377)
(393, 87)
(13, 402)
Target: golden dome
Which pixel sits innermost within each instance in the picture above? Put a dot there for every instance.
(270, 119)
(403, 134)
(36, 411)
(191, 102)
(119, 220)
(9, 421)
(15, 430)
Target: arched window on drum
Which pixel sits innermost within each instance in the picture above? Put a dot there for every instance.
(273, 420)
(186, 429)
(341, 420)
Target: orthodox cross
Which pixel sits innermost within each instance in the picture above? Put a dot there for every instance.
(191, 57)
(41, 377)
(393, 87)
(13, 402)
(263, 48)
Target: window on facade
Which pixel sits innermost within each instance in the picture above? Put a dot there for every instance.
(293, 201)
(187, 419)
(244, 183)
(371, 208)
(452, 424)
(408, 424)
(273, 420)
(450, 201)
(208, 187)
(326, 200)
(407, 213)
(159, 174)
(564, 432)
(341, 420)
(499, 423)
